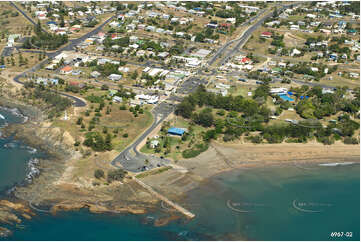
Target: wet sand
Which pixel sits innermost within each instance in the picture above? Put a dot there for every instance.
(221, 158)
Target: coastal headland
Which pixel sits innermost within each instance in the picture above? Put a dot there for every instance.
(66, 181)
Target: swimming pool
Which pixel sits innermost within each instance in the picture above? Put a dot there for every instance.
(286, 97)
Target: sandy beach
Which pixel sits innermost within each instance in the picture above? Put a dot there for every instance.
(226, 157)
(65, 182)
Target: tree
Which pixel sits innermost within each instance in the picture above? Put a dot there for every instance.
(108, 142)
(204, 118)
(98, 174)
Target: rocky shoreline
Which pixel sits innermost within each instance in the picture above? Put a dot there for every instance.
(48, 188)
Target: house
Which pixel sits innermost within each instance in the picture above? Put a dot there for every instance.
(325, 31)
(114, 24)
(95, 74)
(148, 98)
(117, 99)
(174, 20)
(278, 90)
(159, 30)
(246, 60)
(66, 70)
(134, 46)
(193, 62)
(115, 77)
(231, 20)
(179, 34)
(212, 25)
(154, 143)
(333, 56)
(311, 15)
(133, 39)
(270, 24)
(202, 53)
(225, 25)
(276, 70)
(327, 90)
(351, 31)
(282, 64)
(176, 131)
(266, 34)
(42, 80)
(76, 72)
(150, 28)
(12, 38)
(295, 52)
(294, 27)
(163, 55)
(354, 75)
(123, 69)
(131, 27)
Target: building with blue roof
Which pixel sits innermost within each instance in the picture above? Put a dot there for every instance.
(176, 131)
(51, 22)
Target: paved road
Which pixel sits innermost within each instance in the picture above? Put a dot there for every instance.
(243, 39)
(77, 102)
(7, 51)
(225, 46)
(130, 158)
(136, 162)
(25, 15)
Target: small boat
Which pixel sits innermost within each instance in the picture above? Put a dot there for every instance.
(2, 117)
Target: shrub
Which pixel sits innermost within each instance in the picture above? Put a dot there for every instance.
(350, 141)
(116, 175)
(98, 173)
(257, 139)
(190, 153)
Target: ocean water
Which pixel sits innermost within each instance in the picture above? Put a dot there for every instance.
(14, 154)
(283, 203)
(271, 203)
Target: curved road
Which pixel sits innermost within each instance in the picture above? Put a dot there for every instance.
(136, 162)
(70, 46)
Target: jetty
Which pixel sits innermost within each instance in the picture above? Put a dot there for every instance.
(166, 200)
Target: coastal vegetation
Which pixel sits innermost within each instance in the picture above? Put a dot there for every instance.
(55, 104)
(231, 117)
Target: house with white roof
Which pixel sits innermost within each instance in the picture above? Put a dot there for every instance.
(115, 77)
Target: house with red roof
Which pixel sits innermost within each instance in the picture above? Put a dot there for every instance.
(101, 34)
(246, 60)
(66, 70)
(114, 36)
(266, 34)
(225, 25)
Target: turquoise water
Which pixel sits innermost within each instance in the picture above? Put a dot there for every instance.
(267, 195)
(286, 97)
(274, 203)
(263, 202)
